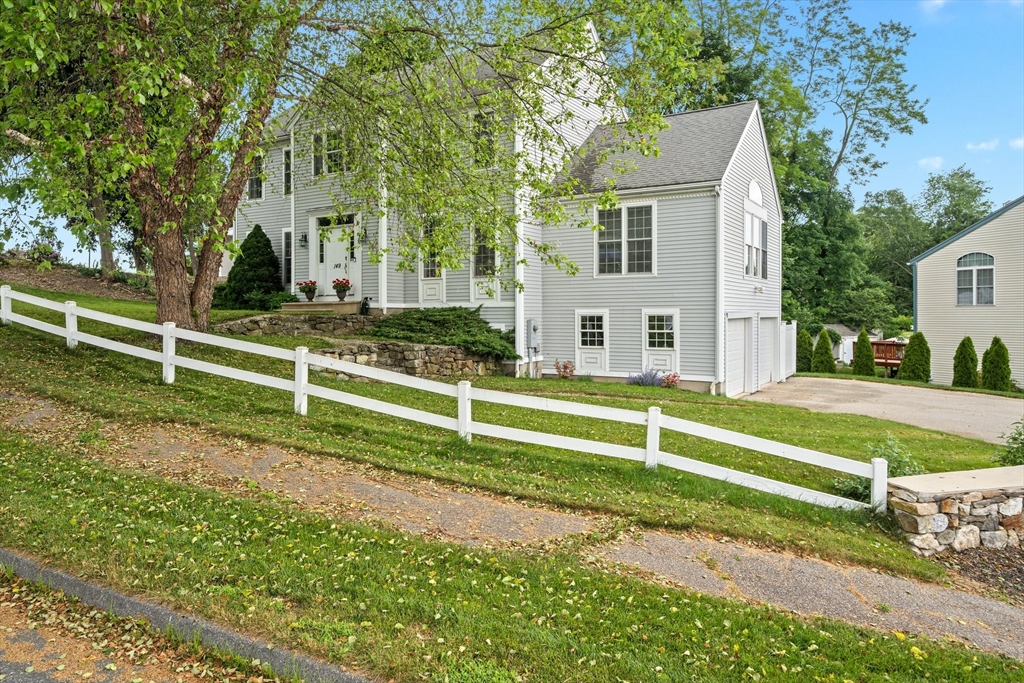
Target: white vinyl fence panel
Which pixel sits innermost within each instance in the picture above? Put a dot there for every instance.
(651, 454)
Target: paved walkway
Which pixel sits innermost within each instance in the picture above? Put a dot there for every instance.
(334, 487)
(977, 416)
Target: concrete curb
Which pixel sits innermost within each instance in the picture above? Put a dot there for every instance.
(284, 663)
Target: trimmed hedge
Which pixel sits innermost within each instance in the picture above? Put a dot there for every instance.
(917, 360)
(823, 361)
(452, 326)
(863, 355)
(995, 366)
(804, 350)
(965, 365)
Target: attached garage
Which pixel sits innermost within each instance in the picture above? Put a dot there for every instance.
(766, 351)
(736, 356)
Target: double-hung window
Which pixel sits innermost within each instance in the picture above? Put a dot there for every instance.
(329, 153)
(629, 250)
(286, 262)
(592, 331)
(255, 187)
(755, 257)
(661, 332)
(287, 171)
(484, 257)
(483, 139)
(975, 280)
(431, 262)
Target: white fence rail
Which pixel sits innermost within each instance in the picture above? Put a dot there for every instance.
(465, 394)
(788, 348)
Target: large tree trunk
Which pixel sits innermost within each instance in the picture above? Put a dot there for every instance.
(206, 278)
(173, 295)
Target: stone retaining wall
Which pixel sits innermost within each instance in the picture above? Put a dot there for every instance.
(990, 519)
(311, 325)
(422, 360)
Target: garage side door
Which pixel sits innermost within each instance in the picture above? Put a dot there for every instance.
(766, 351)
(735, 357)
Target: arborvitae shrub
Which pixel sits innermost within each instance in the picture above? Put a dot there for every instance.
(255, 271)
(863, 355)
(995, 366)
(804, 350)
(965, 365)
(823, 361)
(917, 360)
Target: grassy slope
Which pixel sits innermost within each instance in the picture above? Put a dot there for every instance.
(411, 609)
(127, 388)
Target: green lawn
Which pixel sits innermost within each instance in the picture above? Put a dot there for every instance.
(409, 609)
(125, 388)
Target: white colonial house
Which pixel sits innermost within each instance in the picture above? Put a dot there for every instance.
(684, 277)
(972, 285)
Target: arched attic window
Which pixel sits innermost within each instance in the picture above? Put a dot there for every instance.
(975, 280)
(755, 229)
(755, 193)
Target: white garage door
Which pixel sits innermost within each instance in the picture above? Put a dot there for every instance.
(736, 357)
(766, 351)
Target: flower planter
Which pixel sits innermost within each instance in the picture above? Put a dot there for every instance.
(309, 295)
(342, 293)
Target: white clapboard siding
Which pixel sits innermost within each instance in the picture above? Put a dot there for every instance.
(376, 406)
(564, 407)
(465, 394)
(754, 443)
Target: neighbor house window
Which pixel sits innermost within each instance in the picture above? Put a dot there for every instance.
(975, 280)
(634, 245)
(255, 189)
(755, 258)
(592, 331)
(484, 258)
(329, 154)
(287, 171)
(661, 332)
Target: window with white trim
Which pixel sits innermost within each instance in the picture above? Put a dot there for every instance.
(634, 245)
(329, 153)
(286, 260)
(755, 256)
(255, 187)
(483, 139)
(431, 263)
(287, 171)
(484, 256)
(661, 331)
(591, 331)
(975, 280)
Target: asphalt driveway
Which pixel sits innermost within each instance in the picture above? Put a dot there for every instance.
(978, 416)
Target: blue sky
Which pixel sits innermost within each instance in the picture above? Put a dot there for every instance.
(968, 60)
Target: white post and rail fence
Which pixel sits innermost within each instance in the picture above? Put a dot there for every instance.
(465, 394)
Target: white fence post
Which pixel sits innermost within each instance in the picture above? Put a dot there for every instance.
(653, 437)
(879, 484)
(71, 323)
(465, 411)
(301, 380)
(168, 353)
(5, 304)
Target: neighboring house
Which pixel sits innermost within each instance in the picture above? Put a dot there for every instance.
(685, 276)
(973, 285)
(843, 351)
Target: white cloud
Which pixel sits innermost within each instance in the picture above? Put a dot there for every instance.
(930, 163)
(983, 146)
(1017, 144)
(932, 5)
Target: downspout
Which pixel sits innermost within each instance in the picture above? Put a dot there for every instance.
(914, 273)
(520, 271)
(719, 288)
(291, 146)
(382, 243)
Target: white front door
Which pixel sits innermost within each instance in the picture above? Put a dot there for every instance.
(338, 254)
(736, 357)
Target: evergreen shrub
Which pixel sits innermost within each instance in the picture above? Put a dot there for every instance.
(804, 350)
(255, 272)
(965, 365)
(452, 326)
(863, 355)
(823, 361)
(995, 366)
(917, 360)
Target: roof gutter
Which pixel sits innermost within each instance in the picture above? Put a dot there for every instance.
(684, 187)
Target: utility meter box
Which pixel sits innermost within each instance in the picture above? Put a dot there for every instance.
(533, 335)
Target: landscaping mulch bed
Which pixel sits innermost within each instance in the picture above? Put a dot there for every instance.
(1002, 569)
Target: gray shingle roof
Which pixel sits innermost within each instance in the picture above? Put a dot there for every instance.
(695, 148)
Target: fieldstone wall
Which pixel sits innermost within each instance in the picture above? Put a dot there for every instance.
(312, 325)
(990, 519)
(422, 360)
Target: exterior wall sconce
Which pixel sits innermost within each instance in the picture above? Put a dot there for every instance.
(304, 240)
